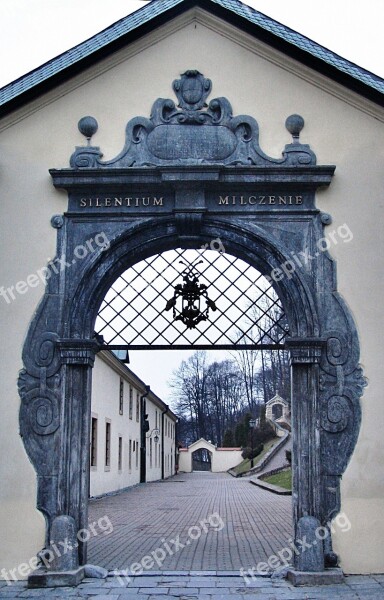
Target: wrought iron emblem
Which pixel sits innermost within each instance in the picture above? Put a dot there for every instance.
(191, 293)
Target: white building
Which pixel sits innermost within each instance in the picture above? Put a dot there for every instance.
(221, 459)
(117, 446)
(277, 409)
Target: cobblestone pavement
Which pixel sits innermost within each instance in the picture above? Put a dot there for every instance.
(251, 524)
(202, 587)
(146, 518)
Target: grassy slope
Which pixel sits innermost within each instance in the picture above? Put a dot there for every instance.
(282, 479)
(245, 465)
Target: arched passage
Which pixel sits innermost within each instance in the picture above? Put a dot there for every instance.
(153, 237)
(263, 211)
(201, 460)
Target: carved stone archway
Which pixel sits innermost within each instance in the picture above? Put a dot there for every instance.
(186, 176)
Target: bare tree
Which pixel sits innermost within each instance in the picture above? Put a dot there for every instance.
(189, 391)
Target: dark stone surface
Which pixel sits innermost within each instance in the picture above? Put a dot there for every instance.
(192, 135)
(63, 544)
(305, 578)
(52, 579)
(95, 572)
(327, 381)
(311, 556)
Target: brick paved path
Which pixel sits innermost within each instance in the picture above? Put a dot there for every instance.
(145, 518)
(200, 587)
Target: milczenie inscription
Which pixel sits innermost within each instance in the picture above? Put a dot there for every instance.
(121, 201)
(259, 200)
(223, 201)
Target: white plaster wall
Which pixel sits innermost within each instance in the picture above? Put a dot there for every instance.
(185, 462)
(169, 447)
(105, 405)
(222, 460)
(342, 128)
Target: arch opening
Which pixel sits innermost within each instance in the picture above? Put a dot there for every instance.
(223, 303)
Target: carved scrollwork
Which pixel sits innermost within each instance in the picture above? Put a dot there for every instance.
(302, 155)
(43, 354)
(336, 414)
(194, 133)
(337, 348)
(42, 411)
(356, 381)
(85, 158)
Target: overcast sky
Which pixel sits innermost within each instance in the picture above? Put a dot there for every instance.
(34, 31)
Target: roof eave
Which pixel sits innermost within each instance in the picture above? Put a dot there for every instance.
(88, 61)
(294, 52)
(229, 16)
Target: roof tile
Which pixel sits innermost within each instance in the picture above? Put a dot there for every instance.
(158, 7)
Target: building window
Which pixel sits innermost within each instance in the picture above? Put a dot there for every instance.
(94, 442)
(150, 453)
(155, 419)
(107, 444)
(137, 406)
(130, 402)
(130, 456)
(137, 454)
(121, 397)
(120, 461)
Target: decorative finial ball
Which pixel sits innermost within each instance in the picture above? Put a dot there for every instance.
(88, 126)
(294, 124)
(326, 218)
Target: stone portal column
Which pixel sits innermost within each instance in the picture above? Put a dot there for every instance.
(78, 356)
(305, 356)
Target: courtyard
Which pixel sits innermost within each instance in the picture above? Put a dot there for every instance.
(221, 524)
(203, 528)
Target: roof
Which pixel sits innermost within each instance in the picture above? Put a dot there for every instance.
(202, 441)
(158, 12)
(114, 362)
(276, 398)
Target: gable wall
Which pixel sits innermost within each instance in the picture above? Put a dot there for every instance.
(342, 129)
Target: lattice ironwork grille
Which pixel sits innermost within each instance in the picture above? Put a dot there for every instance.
(248, 311)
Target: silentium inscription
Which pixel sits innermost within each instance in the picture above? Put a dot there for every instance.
(230, 200)
(259, 200)
(120, 201)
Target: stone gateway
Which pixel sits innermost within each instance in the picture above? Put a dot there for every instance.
(323, 341)
(137, 148)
